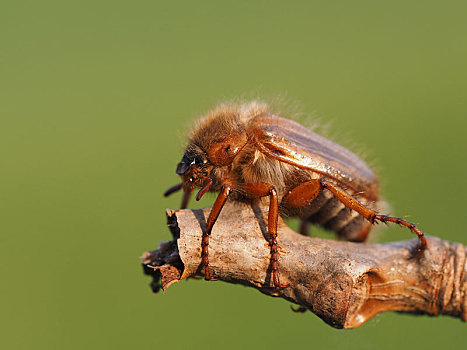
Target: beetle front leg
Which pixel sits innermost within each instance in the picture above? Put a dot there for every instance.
(213, 215)
(185, 198)
(371, 215)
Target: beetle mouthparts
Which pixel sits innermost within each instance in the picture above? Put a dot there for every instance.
(204, 189)
(182, 167)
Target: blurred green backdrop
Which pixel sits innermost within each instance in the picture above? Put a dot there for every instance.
(95, 96)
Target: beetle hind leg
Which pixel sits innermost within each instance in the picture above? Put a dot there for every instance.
(300, 196)
(371, 215)
(412, 227)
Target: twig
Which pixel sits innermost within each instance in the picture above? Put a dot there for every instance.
(344, 283)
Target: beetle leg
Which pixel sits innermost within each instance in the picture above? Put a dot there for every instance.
(300, 196)
(272, 228)
(363, 234)
(213, 215)
(173, 189)
(186, 194)
(412, 227)
(262, 190)
(371, 215)
(185, 198)
(304, 227)
(303, 194)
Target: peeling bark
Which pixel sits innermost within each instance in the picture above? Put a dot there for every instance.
(344, 283)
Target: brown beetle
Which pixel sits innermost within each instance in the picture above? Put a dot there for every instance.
(245, 152)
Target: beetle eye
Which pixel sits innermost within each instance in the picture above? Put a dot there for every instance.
(199, 159)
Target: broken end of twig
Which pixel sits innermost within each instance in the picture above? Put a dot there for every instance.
(164, 264)
(162, 276)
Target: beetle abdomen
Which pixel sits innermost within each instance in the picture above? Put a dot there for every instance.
(327, 211)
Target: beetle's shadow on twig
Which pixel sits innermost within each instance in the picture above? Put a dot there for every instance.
(199, 215)
(264, 230)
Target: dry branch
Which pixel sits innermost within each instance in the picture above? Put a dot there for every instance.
(344, 283)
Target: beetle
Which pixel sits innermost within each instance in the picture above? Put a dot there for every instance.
(245, 152)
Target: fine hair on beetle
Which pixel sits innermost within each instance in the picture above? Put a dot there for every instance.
(246, 152)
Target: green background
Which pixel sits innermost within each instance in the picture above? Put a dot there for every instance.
(94, 100)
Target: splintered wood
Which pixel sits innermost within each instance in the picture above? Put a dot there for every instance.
(344, 283)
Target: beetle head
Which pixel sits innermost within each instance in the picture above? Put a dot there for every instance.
(194, 168)
(196, 165)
